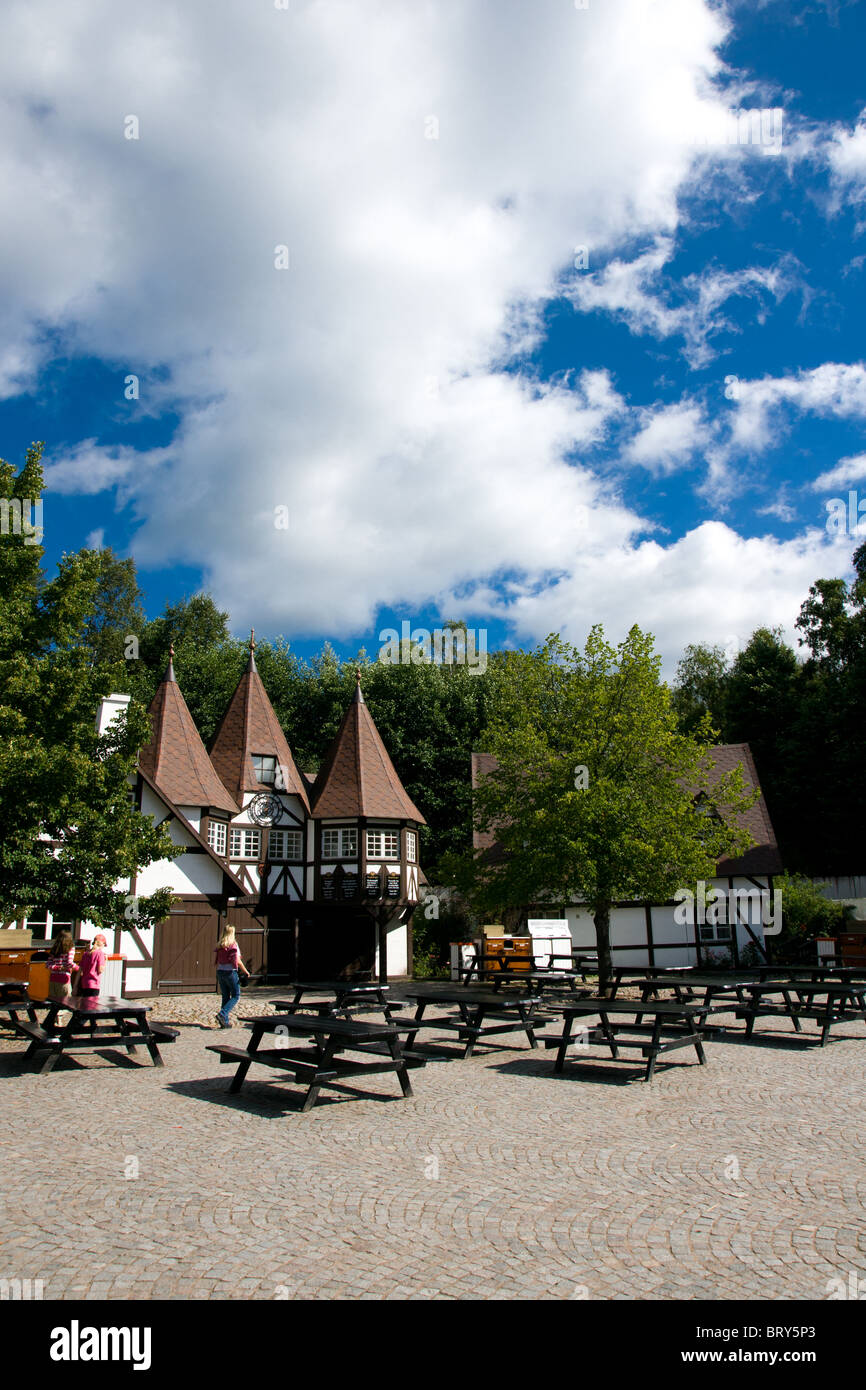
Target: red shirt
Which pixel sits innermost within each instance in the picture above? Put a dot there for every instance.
(228, 957)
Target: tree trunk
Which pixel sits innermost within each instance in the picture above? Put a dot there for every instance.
(601, 918)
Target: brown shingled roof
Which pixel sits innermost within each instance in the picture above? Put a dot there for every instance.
(249, 726)
(762, 858)
(357, 778)
(175, 759)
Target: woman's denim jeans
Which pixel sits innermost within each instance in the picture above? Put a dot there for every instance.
(230, 989)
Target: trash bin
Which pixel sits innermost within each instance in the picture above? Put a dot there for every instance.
(111, 980)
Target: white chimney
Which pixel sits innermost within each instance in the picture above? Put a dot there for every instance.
(108, 709)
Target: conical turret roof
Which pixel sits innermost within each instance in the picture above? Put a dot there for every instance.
(357, 777)
(175, 760)
(250, 726)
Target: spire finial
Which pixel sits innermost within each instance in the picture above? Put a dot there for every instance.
(169, 670)
(358, 674)
(252, 640)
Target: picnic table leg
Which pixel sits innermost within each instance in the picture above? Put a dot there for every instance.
(152, 1045)
(609, 1034)
(792, 1011)
(471, 1022)
(697, 1026)
(419, 1014)
(527, 1023)
(563, 1044)
(654, 1050)
(400, 1066)
(128, 1030)
(827, 1021)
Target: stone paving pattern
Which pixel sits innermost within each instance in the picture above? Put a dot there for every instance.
(499, 1180)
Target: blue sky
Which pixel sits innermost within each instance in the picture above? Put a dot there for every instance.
(461, 412)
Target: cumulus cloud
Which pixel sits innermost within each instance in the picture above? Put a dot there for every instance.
(668, 438)
(847, 471)
(328, 251)
(711, 585)
(834, 389)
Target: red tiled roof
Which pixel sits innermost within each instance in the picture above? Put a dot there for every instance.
(357, 777)
(175, 760)
(249, 726)
(762, 858)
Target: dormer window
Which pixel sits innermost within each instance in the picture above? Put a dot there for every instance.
(382, 844)
(265, 768)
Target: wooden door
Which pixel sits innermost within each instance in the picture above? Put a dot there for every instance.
(184, 950)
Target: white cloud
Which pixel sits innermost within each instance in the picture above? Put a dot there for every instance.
(88, 468)
(835, 389)
(712, 585)
(371, 388)
(634, 291)
(96, 539)
(847, 471)
(668, 438)
(846, 154)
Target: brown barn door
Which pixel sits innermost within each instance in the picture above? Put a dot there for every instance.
(183, 950)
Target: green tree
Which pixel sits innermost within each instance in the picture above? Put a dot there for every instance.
(806, 914)
(762, 708)
(68, 830)
(699, 689)
(117, 612)
(597, 795)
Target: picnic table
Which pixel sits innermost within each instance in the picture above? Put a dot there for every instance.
(349, 996)
(714, 985)
(644, 971)
(12, 989)
(515, 1012)
(844, 1002)
(675, 1023)
(127, 1022)
(320, 1064)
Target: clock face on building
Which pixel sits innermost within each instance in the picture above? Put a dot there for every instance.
(266, 809)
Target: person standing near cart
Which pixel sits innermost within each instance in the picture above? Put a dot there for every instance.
(228, 962)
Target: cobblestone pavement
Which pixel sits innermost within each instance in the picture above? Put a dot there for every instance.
(742, 1179)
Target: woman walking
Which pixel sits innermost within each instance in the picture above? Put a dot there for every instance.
(228, 963)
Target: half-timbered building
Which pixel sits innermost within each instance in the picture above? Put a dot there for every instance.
(319, 874)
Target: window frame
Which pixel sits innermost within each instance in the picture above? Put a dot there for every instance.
(288, 857)
(343, 833)
(216, 826)
(244, 831)
(262, 758)
(380, 853)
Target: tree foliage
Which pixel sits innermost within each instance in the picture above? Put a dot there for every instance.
(68, 830)
(597, 795)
